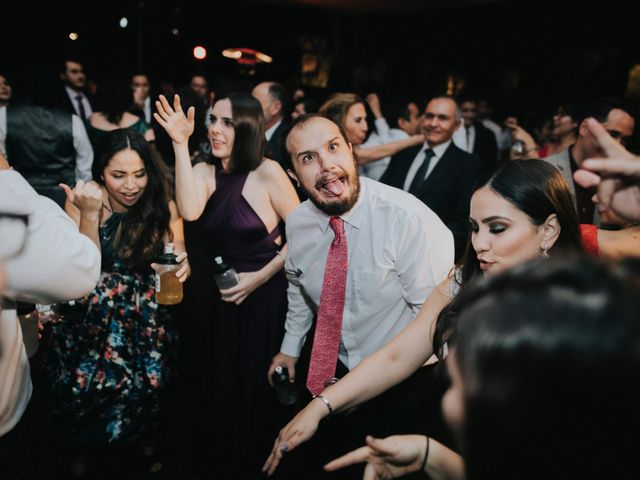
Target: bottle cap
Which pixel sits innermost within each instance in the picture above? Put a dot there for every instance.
(168, 257)
(220, 265)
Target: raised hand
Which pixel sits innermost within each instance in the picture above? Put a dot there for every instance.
(178, 125)
(86, 196)
(617, 176)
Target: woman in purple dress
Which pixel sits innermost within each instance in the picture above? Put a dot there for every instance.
(238, 203)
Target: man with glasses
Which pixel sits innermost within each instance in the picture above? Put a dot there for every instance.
(614, 117)
(45, 260)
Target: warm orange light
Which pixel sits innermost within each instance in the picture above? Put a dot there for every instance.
(231, 53)
(73, 36)
(200, 52)
(246, 56)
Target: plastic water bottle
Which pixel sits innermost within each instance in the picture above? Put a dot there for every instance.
(224, 274)
(286, 391)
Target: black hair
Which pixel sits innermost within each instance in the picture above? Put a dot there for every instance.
(397, 108)
(146, 223)
(549, 358)
(250, 143)
(599, 109)
(310, 105)
(114, 98)
(539, 190)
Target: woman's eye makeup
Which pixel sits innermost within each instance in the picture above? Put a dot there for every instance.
(497, 227)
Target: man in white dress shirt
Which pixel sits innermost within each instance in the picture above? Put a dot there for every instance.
(55, 264)
(397, 251)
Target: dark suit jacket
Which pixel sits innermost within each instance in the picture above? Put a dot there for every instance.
(486, 148)
(277, 151)
(447, 190)
(58, 98)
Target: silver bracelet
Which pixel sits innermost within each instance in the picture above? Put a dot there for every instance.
(326, 402)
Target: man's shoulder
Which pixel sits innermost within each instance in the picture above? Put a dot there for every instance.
(463, 159)
(304, 213)
(558, 159)
(385, 200)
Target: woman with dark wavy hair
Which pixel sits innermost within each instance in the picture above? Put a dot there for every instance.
(238, 203)
(110, 366)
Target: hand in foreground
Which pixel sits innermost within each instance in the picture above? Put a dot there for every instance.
(617, 176)
(86, 196)
(299, 430)
(248, 282)
(185, 269)
(387, 458)
(178, 125)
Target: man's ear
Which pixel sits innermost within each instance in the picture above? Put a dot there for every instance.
(293, 175)
(275, 107)
(583, 130)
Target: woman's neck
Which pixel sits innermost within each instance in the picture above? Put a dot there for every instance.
(225, 163)
(114, 207)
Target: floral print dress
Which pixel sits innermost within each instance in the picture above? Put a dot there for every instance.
(108, 367)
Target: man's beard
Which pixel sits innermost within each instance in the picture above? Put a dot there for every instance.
(337, 208)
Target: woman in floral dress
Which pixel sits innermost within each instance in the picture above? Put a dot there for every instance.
(109, 366)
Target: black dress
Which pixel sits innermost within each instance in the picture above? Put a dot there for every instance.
(239, 415)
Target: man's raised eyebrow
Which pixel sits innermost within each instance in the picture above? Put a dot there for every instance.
(306, 152)
(333, 139)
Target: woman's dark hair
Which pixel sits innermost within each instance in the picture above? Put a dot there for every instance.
(250, 144)
(549, 356)
(309, 104)
(537, 189)
(142, 232)
(114, 98)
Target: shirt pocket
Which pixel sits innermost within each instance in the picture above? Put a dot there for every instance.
(375, 290)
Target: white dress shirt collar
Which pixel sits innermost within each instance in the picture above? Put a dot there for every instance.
(438, 149)
(353, 217)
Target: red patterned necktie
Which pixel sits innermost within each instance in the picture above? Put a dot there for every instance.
(326, 342)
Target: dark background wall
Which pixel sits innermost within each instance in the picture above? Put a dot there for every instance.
(524, 55)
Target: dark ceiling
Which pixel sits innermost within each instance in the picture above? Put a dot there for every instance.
(523, 54)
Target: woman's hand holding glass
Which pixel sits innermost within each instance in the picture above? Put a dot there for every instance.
(184, 271)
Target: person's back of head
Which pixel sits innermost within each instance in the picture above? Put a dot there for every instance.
(114, 98)
(337, 105)
(548, 353)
